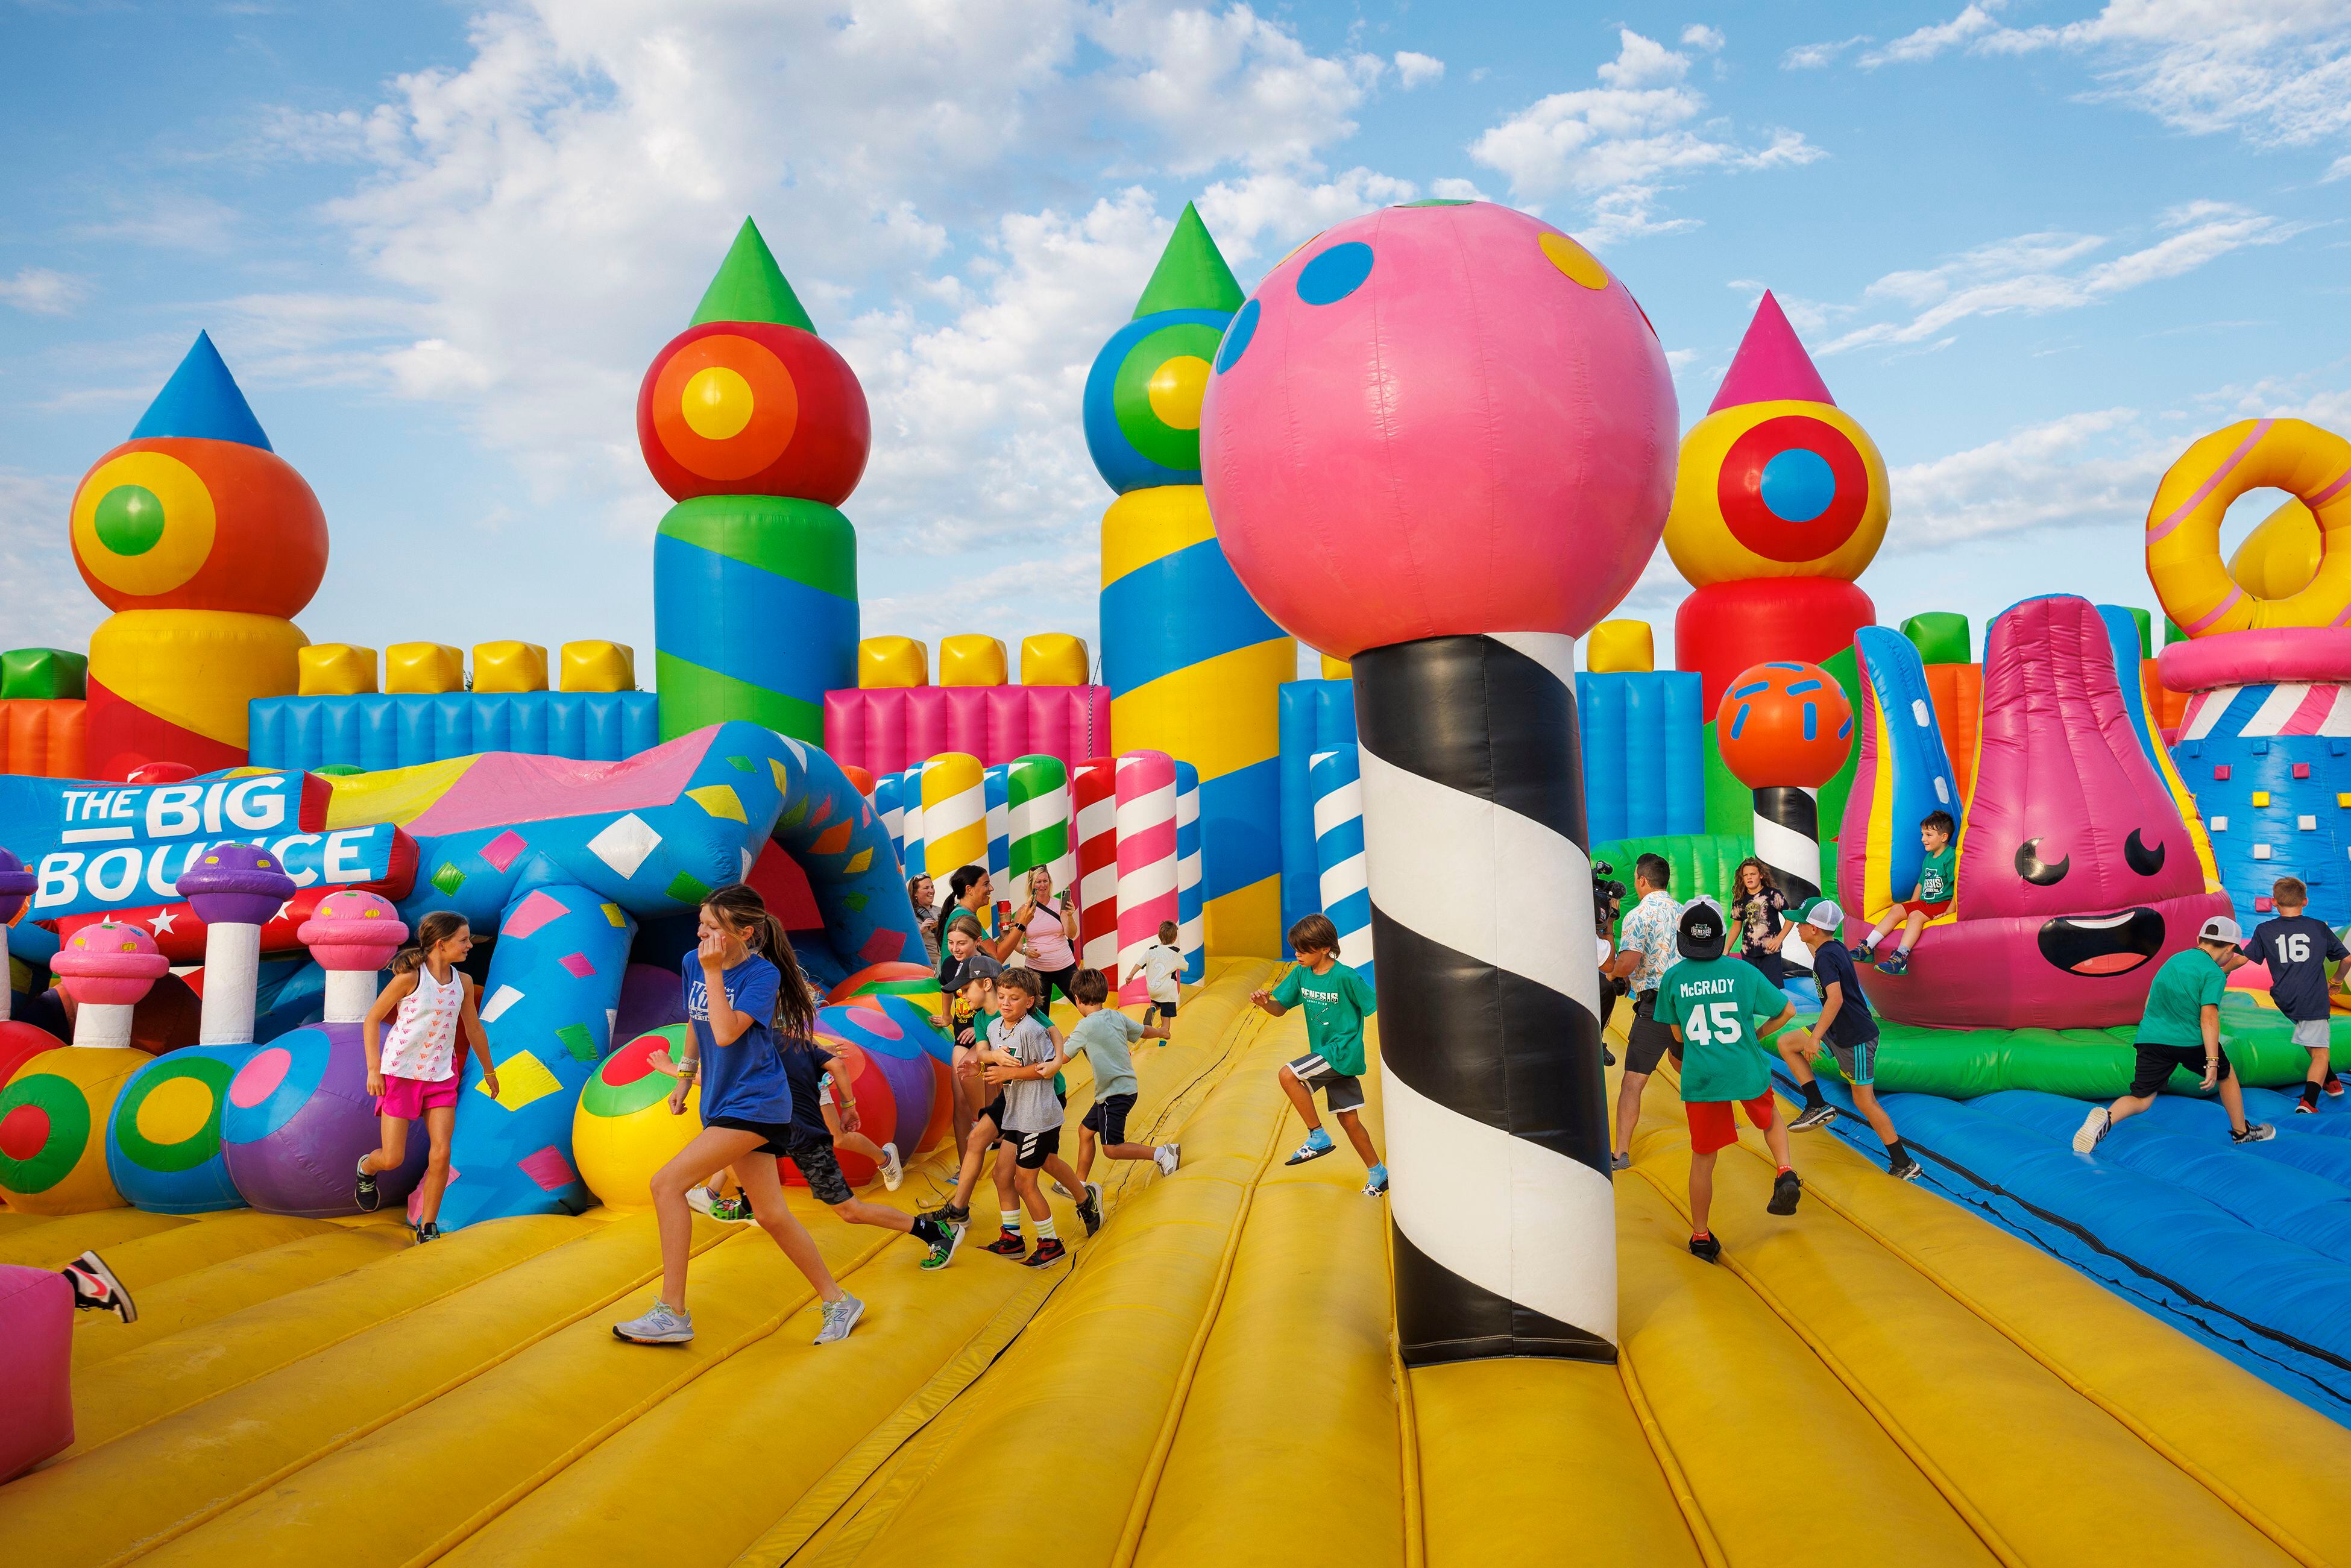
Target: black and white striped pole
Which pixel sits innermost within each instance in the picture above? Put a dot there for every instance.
(1788, 839)
(1495, 1107)
(1439, 441)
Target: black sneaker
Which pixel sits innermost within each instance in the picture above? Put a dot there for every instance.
(364, 1191)
(1089, 1207)
(1007, 1244)
(1813, 1116)
(1049, 1250)
(1706, 1248)
(95, 1288)
(945, 1214)
(1785, 1190)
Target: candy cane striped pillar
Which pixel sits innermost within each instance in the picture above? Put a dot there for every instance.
(1490, 1028)
(1788, 839)
(1190, 935)
(1336, 780)
(912, 854)
(1039, 789)
(893, 814)
(1094, 797)
(955, 815)
(999, 839)
(1146, 859)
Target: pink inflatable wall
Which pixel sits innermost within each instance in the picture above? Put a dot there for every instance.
(887, 730)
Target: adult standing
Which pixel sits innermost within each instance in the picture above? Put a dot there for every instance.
(1645, 952)
(923, 894)
(1048, 924)
(1761, 911)
(971, 892)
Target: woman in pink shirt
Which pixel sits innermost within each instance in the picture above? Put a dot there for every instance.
(1048, 937)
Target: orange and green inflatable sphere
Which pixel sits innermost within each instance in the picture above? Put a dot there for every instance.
(1782, 723)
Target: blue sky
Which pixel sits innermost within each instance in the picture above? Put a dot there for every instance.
(2035, 247)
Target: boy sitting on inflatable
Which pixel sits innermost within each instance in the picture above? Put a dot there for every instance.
(1937, 873)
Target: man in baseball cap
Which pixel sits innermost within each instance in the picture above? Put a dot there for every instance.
(1850, 1033)
(2182, 1029)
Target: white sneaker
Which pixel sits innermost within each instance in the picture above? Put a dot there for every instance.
(2095, 1127)
(697, 1198)
(893, 1169)
(838, 1318)
(663, 1325)
(1169, 1156)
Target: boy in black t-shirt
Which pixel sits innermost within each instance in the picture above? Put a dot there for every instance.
(2297, 948)
(1849, 1031)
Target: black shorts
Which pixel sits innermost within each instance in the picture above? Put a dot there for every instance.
(1648, 1042)
(1106, 1117)
(1341, 1091)
(2155, 1062)
(821, 1170)
(1154, 1012)
(1036, 1148)
(779, 1134)
(994, 1110)
(1053, 980)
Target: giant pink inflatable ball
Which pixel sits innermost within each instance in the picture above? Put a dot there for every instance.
(1439, 419)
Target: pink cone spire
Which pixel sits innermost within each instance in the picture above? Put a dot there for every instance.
(1770, 365)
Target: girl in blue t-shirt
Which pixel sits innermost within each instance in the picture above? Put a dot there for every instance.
(742, 985)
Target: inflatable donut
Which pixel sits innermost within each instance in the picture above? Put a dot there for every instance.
(2183, 525)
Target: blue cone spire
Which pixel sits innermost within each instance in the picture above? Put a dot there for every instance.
(202, 400)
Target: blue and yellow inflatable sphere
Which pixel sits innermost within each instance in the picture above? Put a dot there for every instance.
(1142, 398)
(164, 1136)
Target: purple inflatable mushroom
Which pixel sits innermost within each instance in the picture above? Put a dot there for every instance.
(16, 884)
(235, 889)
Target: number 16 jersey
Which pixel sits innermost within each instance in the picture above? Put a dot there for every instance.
(1717, 1002)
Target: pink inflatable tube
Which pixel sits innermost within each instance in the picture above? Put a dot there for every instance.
(2266, 655)
(890, 730)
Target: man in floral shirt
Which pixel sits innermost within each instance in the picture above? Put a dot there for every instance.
(1645, 951)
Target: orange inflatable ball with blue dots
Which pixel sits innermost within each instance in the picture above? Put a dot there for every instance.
(1783, 723)
(753, 408)
(195, 511)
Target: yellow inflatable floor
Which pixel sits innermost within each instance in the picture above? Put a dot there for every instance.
(1880, 1377)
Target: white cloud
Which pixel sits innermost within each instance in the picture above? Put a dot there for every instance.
(1413, 69)
(1264, 215)
(2096, 469)
(2039, 273)
(1697, 35)
(1814, 56)
(48, 606)
(168, 221)
(1617, 145)
(43, 291)
(2277, 72)
(1007, 603)
(1227, 87)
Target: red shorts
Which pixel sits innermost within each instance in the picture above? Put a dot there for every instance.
(1710, 1124)
(409, 1098)
(1934, 911)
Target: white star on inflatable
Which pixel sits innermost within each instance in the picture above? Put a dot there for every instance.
(163, 922)
(282, 909)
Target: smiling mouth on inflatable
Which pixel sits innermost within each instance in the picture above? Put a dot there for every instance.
(2102, 945)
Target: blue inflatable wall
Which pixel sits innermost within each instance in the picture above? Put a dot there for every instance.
(379, 731)
(1643, 754)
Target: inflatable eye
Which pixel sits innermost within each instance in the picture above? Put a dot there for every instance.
(2038, 872)
(2144, 860)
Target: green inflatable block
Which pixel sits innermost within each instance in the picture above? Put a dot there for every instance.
(2145, 631)
(1839, 789)
(1939, 636)
(2171, 632)
(43, 673)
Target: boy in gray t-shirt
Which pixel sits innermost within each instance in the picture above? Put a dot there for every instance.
(1107, 1037)
(1021, 1057)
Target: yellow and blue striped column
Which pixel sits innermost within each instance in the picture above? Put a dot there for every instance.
(1193, 665)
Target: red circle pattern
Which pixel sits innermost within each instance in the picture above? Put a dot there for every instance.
(1739, 490)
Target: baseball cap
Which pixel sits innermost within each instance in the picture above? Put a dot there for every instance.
(1820, 912)
(1702, 931)
(2221, 928)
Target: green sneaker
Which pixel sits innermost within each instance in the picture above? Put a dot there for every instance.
(943, 1251)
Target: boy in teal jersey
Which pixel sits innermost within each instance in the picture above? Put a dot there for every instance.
(2182, 1029)
(1938, 875)
(1711, 1004)
(1337, 1001)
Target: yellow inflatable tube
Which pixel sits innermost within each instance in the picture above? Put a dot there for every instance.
(2183, 525)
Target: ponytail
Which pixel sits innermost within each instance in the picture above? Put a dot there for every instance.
(430, 932)
(739, 906)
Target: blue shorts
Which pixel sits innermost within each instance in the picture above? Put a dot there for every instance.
(1858, 1061)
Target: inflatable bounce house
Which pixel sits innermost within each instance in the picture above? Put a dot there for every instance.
(215, 833)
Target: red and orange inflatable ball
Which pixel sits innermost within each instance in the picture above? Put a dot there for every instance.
(1783, 723)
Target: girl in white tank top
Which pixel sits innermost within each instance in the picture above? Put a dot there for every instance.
(410, 1040)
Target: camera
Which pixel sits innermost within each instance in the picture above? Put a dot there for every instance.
(1608, 896)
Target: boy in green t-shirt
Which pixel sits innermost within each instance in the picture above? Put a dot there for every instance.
(1337, 1001)
(1711, 1004)
(1938, 875)
(2182, 1029)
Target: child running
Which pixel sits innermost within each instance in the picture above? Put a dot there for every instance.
(1711, 1003)
(1163, 966)
(1022, 1060)
(742, 983)
(414, 1072)
(1936, 875)
(1849, 1031)
(1107, 1037)
(1337, 1001)
(2181, 1028)
(2297, 950)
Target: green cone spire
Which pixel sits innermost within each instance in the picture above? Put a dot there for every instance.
(750, 286)
(1191, 274)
